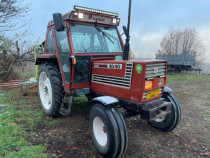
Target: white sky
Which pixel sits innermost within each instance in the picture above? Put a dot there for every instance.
(150, 19)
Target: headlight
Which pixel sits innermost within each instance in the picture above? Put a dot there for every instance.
(161, 82)
(80, 15)
(114, 21)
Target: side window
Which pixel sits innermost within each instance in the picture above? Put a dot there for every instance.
(50, 42)
(62, 42)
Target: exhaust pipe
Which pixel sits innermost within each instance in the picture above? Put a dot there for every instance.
(127, 31)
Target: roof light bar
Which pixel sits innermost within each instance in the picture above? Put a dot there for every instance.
(95, 11)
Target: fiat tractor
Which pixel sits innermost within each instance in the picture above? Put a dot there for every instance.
(84, 54)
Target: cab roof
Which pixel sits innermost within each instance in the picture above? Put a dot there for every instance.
(90, 15)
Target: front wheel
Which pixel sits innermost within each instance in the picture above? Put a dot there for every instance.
(170, 121)
(108, 130)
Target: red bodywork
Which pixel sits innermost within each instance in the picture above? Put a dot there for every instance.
(133, 92)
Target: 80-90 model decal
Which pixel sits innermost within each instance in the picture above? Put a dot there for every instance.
(108, 66)
(124, 82)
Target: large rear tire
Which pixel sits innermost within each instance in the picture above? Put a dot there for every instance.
(51, 91)
(170, 121)
(108, 130)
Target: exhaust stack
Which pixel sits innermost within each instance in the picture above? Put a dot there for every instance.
(126, 31)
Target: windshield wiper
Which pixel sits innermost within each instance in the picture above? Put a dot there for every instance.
(104, 33)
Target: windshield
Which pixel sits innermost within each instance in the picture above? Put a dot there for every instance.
(89, 39)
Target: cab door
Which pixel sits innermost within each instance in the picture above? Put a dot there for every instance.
(63, 54)
(82, 70)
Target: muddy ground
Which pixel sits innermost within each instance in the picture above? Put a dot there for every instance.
(69, 136)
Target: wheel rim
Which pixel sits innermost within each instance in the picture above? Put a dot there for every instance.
(160, 119)
(45, 90)
(99, 131)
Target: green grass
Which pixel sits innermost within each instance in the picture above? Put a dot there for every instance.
(15, 119)
(187, 77)
(20, 116)
(206, 114)
(200, 83)
(186, 93)
(80, 105)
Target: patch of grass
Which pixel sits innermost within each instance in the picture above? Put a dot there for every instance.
(185, 93)
(206, 114)
(50, 122)
(16, 119)
(80, 105)
(181, 77)
(186, 77)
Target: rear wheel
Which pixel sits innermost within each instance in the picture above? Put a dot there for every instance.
(51, 91)
(108, 130)
(170, 121)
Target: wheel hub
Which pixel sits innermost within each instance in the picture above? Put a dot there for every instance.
(160, 119)
(100, 131)
(45, 90)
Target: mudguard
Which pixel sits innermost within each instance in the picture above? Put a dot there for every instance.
(105, 100)
(167, 89)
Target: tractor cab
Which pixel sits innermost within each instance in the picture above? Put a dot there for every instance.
(86, 35)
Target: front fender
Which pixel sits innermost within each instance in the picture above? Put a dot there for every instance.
(167, 89)
(105, 100)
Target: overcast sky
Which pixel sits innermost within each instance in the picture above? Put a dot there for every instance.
(150, 19)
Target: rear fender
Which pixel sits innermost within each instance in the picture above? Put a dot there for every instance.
(52, 58)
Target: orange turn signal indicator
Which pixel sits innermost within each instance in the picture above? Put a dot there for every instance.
(72, 60)
(148, 85)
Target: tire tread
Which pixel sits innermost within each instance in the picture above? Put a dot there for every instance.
(56, 83)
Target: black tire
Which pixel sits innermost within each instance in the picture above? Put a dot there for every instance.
(171, 120)
(53, 73)
(114, 125)
(123, 131)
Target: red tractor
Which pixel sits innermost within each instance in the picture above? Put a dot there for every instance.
(84, 55)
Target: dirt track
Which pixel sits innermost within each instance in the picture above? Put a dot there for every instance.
(69, 136)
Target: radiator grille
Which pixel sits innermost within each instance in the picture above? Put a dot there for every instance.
(116, 81)
(155, 70)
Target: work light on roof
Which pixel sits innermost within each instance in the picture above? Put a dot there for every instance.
(95, 11)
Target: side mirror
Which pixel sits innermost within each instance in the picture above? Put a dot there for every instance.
(58, 21)
(124, 29)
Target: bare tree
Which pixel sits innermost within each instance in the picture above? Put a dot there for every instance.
(132, 56)
(13, 16)
(180, 41)
(18, 52)
(11, 13)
